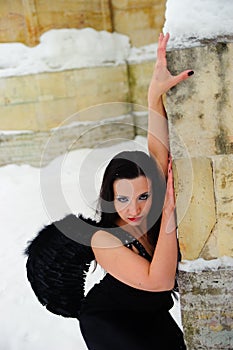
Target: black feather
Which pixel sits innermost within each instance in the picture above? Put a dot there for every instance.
(58, 259)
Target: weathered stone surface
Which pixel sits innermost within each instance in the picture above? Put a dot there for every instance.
(43, 101)
(220, 242)
(195, 204)
(18, 90)
(81, 14)
(201, 107)
(25, 21)
(207, 313)
(40, 148)
(139, 79)
(200, 120)
(18, 117)
(210, 249)
(223, 179)
(142, 21)
(12, 21)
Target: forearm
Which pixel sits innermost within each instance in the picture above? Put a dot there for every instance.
(157, 104)
(164, 263)
(157, 136)
(161, 82)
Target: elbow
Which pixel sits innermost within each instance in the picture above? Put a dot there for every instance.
(164, 285)
(156, 285)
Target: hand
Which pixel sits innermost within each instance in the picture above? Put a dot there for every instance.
(162, 80)
(169, 214)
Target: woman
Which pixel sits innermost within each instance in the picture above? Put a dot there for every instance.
(136, 243)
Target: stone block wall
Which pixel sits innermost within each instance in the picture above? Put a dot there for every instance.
(42, 101)
(31, 106)
(201, 128)
(200, 111)
(140, 20)
(24, 21)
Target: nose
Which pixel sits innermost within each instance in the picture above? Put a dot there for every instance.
(134, 209)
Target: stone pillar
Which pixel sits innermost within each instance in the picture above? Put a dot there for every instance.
(201, 127)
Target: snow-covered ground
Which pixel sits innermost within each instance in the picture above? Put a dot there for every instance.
(24, 323)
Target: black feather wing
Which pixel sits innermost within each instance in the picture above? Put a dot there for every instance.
(58, 259)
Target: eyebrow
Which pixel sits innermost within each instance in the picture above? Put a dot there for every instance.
(147, 192)
(141, 194)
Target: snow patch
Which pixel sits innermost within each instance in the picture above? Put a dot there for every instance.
(189, 22)
(203, 265)
(62, 49)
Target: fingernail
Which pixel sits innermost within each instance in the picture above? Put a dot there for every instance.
(190, 73)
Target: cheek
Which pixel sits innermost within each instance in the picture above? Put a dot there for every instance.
(120, 207)
(147, 205)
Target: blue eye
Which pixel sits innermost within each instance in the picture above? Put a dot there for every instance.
(122, 199)
(144, 196)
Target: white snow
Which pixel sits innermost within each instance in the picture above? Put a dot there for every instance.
(61, 49)
(204, 265)
(189, 21)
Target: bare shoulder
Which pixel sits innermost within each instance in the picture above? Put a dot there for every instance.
(104, 239)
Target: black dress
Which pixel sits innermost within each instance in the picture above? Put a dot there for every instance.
(115, 316)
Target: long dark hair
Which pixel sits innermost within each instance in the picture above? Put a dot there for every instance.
(130, 165)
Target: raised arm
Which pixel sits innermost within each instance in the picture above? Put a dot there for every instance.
(119, 261)
(162, 80)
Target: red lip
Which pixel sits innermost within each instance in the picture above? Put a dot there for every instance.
(138, 218)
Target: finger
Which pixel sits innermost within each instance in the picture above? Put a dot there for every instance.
(170, 186)
(183, 76)
(162, 45)
(160, 39)
(166, 38)
(170, 182)
(169, 164)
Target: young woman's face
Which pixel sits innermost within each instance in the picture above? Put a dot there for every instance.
(132, 199)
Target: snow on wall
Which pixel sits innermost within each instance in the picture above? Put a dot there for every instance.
(190, 21)
(187, 21)
(203, 265)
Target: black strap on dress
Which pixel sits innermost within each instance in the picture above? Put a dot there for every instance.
(129, 241)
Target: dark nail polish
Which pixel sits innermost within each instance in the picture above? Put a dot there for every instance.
(190, 73)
